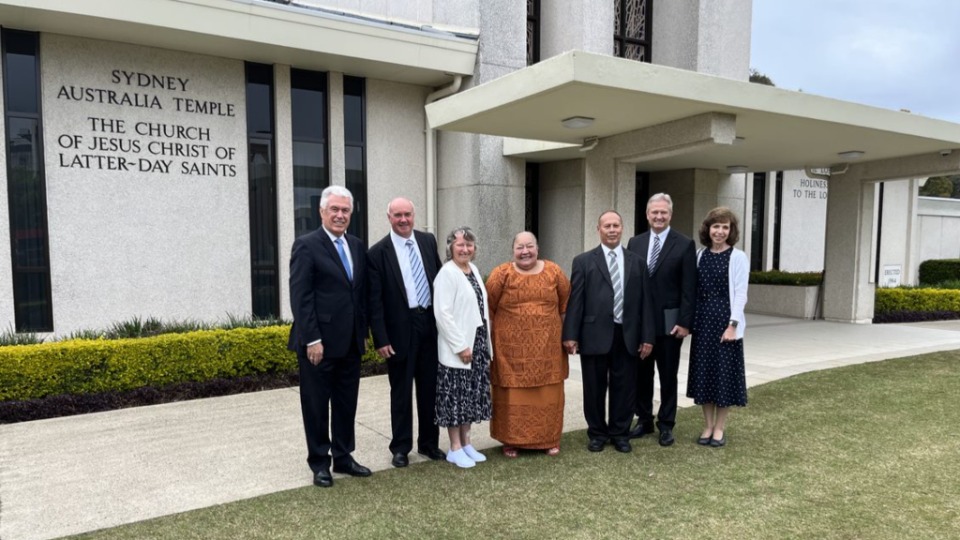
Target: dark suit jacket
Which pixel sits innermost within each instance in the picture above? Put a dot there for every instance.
(589, 318)
(325, 303)
(389, 308)
(674, 283)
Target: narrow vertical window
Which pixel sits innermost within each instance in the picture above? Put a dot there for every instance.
(263, 191)
(532, 199)
(26, 186)
(355, 150)
(640, 197)
(757, 222)
(777, 212)
(632, 21)
(308, 93)
(533, 32)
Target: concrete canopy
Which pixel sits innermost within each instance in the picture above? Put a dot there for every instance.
(258, 31)
(775, 129)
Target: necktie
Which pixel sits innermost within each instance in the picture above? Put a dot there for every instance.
(419, 276)
(617, 288)
(343, 258)
(654, 255)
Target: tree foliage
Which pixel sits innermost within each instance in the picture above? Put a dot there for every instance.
(756, 76)
(941, 186)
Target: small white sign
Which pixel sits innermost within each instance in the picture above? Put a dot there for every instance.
(891, 275)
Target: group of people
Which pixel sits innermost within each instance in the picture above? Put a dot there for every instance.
(469, 351)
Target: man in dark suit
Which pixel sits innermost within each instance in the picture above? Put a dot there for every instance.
(609, 321)
(671, 261)
(402, 267)
(328, 299)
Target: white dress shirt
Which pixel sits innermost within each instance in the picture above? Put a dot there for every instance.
(400, 245)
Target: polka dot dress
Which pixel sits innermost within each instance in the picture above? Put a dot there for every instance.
(716, 373)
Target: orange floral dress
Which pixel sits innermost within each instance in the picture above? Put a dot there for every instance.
(529, 363)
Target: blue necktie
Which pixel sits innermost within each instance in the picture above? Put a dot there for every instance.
(343, 258)
(419, 276)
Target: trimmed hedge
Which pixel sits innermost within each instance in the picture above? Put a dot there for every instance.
(93, 366)
(910, 305)
(776, 277)
(936, 271)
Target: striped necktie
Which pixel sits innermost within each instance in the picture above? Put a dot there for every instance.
(617, 287)
(654, 255)
(419, 276)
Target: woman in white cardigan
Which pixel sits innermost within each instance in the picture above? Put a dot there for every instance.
(716, 378)
(464, 347)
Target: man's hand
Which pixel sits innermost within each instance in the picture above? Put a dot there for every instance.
(315, 353)
(570, 346)
(679, 332)
(466, 355)
(386, 351)
(645, 349)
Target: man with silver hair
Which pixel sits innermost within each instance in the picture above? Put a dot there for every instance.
(671, 262)
(328, 276)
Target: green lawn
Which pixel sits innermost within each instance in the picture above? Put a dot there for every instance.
(869, 451)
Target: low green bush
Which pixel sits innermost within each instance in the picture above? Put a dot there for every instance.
(776, 277)
(84, 366)
(917, 300)
(936, 271)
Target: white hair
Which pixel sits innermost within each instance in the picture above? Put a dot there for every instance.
(339, 191)
(660, 197)
(401, 198)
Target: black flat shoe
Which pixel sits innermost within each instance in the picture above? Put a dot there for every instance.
(434, 453)
(717, 443)
(353, 469)
(400, 460)
(322, 478)
(666, 437)
(704, 441)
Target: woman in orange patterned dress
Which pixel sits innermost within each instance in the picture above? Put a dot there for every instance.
(527, 299)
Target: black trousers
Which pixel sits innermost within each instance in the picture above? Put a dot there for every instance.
(615, 371)
(328, 398)
(666, 356)
(418, 364)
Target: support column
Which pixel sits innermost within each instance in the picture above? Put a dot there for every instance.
(847, 289)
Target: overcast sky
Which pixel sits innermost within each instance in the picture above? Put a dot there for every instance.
(902, 54)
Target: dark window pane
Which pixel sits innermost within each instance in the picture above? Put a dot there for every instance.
(27, 192)
(357, 184)
(353, 121)
(309, 103)
(32, 305)
(309, 180)
(263, 229)
(259, 99)
(21, 83)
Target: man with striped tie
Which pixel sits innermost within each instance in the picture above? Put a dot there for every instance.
(609, 321)
(402, 267)
(671, 262)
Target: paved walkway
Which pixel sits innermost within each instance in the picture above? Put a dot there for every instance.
(71, 475)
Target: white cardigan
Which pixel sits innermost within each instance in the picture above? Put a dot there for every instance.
(455, 308)
(739, 277)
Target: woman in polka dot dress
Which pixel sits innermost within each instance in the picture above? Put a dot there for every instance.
(716, 379)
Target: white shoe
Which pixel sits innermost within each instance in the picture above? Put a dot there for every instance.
(473, 454)
(460, 459)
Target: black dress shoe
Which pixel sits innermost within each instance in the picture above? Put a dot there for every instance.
(596, 445)
(666, 437)
(353, 469)
(622, 445)
(704, 441)
(641, 430)
(322, 478)
(717, 443)
(400, 460)
(435, 454)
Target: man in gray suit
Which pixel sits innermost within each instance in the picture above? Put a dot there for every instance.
(609, 321)
(671, 261)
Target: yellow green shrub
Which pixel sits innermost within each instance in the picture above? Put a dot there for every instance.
(916, 300)
(89, 366)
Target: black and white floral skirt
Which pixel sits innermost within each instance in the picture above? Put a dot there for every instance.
(463, 395)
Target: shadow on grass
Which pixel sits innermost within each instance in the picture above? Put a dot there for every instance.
(866, 451)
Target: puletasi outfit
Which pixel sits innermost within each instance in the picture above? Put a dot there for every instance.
(530, 366)
(716, 373)
(463, 395)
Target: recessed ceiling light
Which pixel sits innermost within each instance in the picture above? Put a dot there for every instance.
(737, 169)
(851, 154)
(577, 122)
